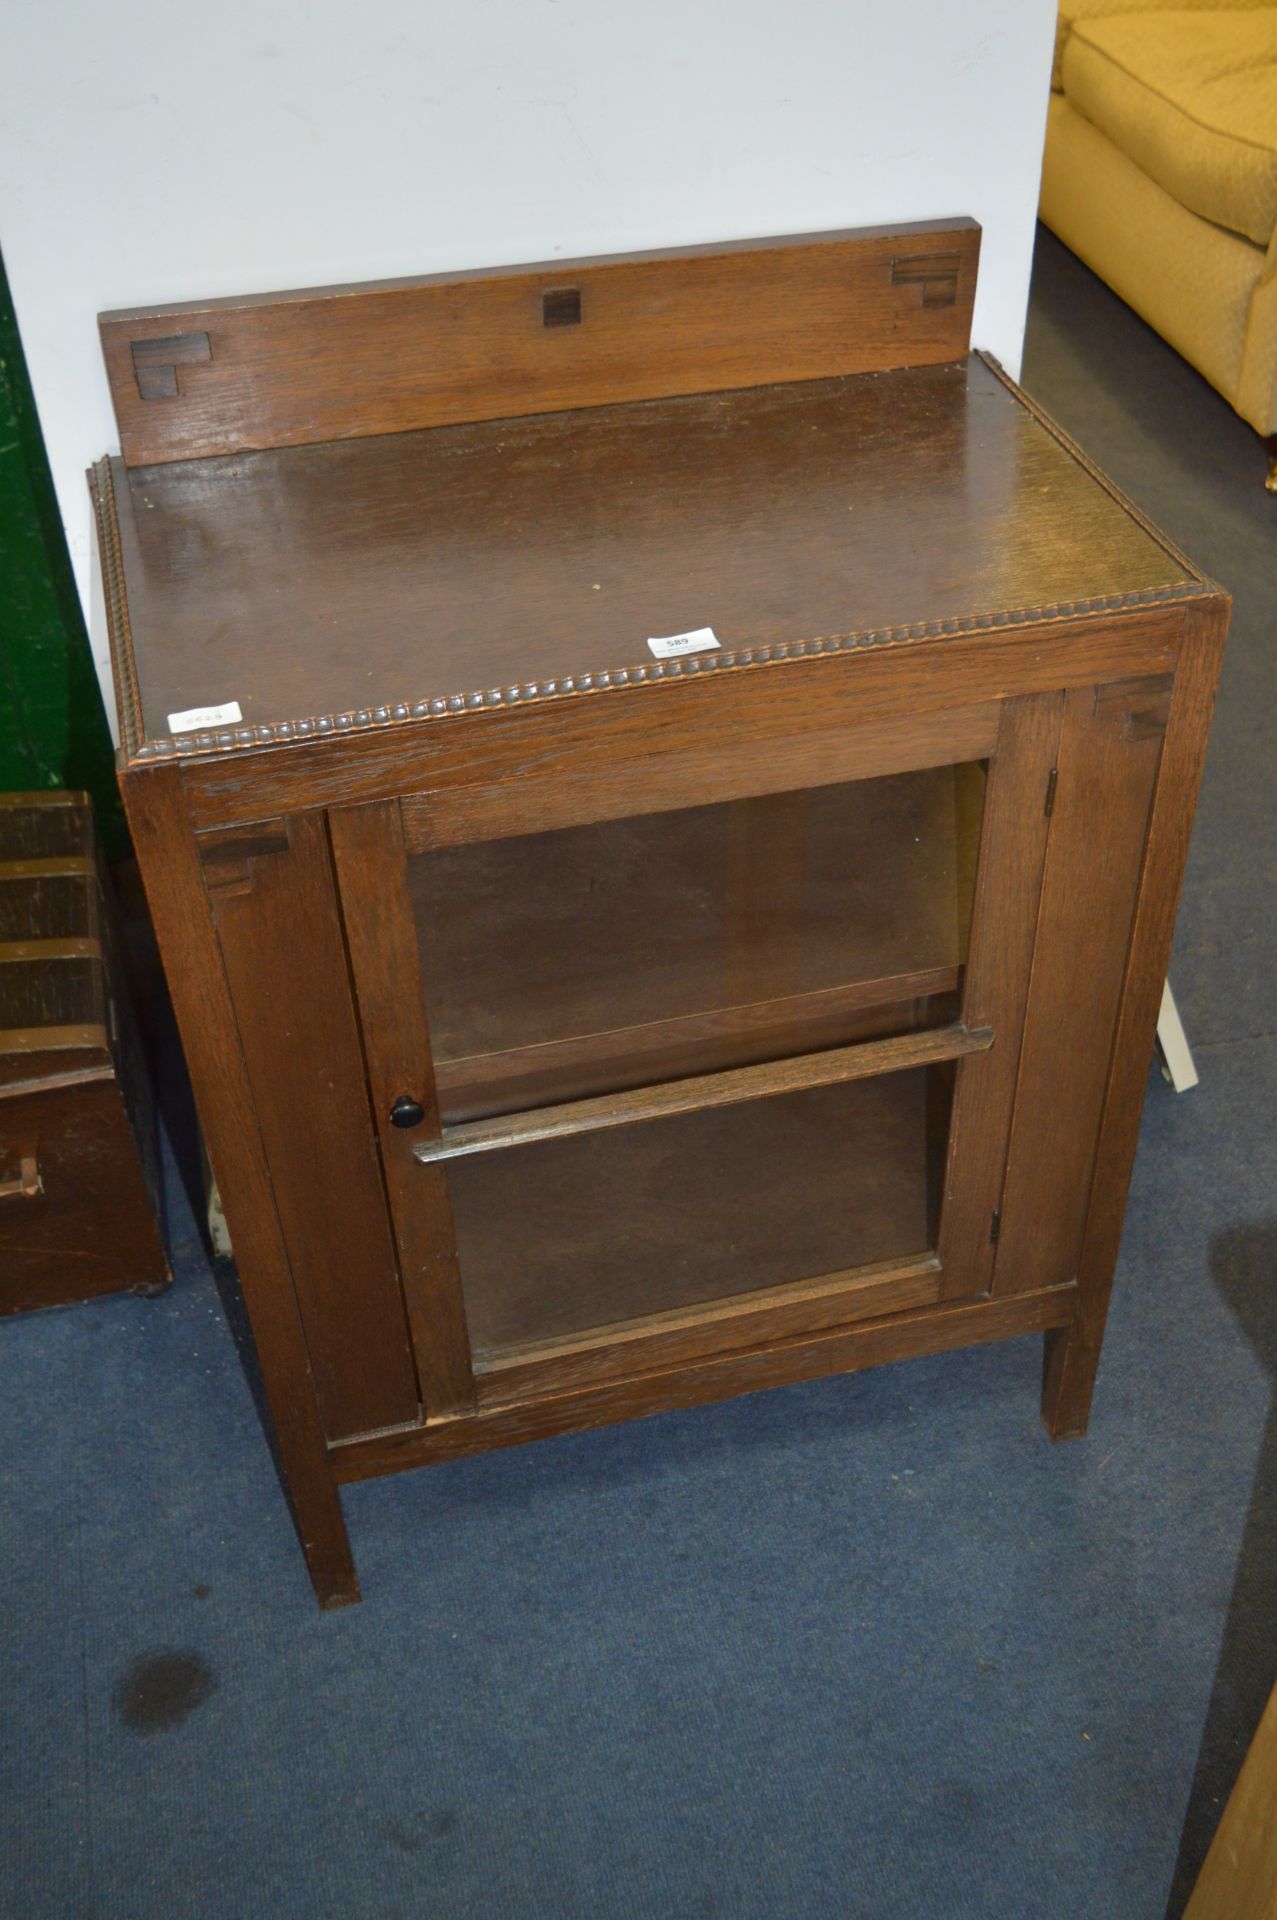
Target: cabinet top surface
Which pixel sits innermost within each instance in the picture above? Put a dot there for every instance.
(369, 580)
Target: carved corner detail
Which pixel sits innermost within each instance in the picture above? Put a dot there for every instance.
(935, 273)
(155, 362)
(229, 856)
(1138, 709)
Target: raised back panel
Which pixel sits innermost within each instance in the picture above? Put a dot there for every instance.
(278, 370)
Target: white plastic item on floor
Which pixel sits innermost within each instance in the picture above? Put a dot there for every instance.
(1177, 1058)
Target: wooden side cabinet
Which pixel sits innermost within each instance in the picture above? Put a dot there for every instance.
(662, 784)
(80, 1186)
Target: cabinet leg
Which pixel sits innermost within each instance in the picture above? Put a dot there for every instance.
(1073, 1353)
(321, 1530)
(1068, 1380)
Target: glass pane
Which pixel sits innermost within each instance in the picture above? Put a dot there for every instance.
(591, 959)
(565, 1235)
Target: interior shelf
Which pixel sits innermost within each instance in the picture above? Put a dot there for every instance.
(566, 965)
(568, 1235)
(731, 1088)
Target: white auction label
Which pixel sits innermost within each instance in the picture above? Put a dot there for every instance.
(700, 640)
(196, 717)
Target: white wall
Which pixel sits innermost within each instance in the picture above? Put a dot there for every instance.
(155, 150)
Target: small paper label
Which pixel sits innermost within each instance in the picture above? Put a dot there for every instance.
(195, 718)
(700, 640)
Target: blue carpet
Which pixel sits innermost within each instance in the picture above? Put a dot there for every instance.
(863, 1647)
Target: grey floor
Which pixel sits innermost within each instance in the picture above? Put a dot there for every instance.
(1185, 457)
(862, 1647)
(1166, 437)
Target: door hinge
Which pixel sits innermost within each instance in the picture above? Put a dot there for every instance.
(1051, 779)
(995, 1227)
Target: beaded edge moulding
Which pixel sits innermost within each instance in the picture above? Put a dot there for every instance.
(364, 719)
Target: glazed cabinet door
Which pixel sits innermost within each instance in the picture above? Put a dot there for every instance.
(686, 1080)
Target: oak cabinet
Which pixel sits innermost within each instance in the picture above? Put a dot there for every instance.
(664, 837)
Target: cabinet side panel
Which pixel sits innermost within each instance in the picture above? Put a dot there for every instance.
(281, 942)
(1072, 1354)
(161, 830)
(1110, 745)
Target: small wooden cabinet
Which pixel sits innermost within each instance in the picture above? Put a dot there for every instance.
(583, 1027)
(80, 1187)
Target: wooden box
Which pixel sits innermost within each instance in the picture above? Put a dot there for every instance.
(79, 1155)
(662, 784)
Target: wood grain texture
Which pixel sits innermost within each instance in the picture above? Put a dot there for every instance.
(44, 826)
(79, 1188)
(87, 1227)
(529, 560)
(534, 797)
(1094, 856)
(722, 1325)
(26, 1052)
(1239, 1874)
(703, 1091)
(52, 983)
(169, 862)
(381, 938)
(475, 1085)
(567, 1235)
(996, 985)
(804, 1357)
(83, 1073)
(691, 716)
(1071, 1362)
(1134, 513)
(59, 798)
(287, 369)
(53, 932)
(36, 893)
(281, 940)
(564, 964)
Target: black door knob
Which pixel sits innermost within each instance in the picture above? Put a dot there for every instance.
(407, 1112)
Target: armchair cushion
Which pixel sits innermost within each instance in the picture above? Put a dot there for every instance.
(1191, 98)
(1071, 11)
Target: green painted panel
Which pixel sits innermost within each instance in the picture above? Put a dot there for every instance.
(53, 729)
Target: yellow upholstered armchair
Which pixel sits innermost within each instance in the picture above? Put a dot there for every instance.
(1161, 173)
